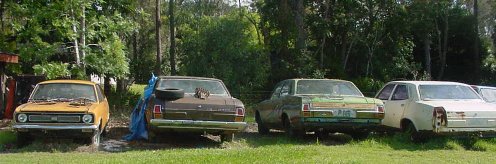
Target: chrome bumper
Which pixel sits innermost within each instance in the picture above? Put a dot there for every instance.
(26, 127)
(198, 125)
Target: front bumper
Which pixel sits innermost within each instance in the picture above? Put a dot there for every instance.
(197, 125)
(29, 127)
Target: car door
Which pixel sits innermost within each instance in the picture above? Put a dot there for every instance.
(384, 95)
(266, 108)
(281, 102)
(396, 106)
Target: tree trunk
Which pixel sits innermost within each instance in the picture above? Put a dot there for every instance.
(427, 53)
(300, 26)
(322, 47)
(477, 59)
(106, 85)
(172, 49)
(76, 45)
(443, 46)
(83, 36)
(2, 9)
(158, 70)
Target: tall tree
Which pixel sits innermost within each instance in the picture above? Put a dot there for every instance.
(158, 24)
(172, 50)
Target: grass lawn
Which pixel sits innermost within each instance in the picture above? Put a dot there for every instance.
(277, 148)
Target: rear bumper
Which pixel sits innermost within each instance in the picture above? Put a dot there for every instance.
(197, 125)
(341, 125)
(464, 131)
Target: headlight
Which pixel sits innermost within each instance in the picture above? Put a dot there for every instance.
(22, 117)
(87, 118)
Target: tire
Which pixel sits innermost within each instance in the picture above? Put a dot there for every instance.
(23, 139)
(290, 130)
(227, 137)
(95, 138)
(262, 129)
(169, 93)
(413, 134)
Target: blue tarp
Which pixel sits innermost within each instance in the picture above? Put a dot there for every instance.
(137, 125)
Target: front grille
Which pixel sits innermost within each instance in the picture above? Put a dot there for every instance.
(54, 118)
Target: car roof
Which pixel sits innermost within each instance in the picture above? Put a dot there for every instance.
(487, 87)
(68, 81)
(429, 82)
(188, 77)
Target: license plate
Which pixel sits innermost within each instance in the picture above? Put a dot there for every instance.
(344, 113)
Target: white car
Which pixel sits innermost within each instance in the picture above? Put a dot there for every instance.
(421, 108)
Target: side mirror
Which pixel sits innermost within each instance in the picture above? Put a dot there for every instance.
(169, 94)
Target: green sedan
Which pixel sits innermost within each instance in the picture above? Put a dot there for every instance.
(322, 106)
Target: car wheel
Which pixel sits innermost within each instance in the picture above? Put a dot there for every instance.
(262, 129)
(290, 130)
(95, 138)
(152, 137)
(227, 137)
(23, 139)
(414, 135)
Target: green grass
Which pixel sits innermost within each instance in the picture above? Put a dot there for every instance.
(277, 148)
(7, 139)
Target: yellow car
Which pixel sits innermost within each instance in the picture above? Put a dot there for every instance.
(63, 108)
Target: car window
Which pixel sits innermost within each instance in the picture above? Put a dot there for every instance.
(285, 90)
(400, 93)
(99, 93)
(189, 86)
(385, 92)
(51, 91)
(443, 92)
(277, 91)
(327, 87)
(488, 94)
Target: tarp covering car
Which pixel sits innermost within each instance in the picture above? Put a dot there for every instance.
(137, 125)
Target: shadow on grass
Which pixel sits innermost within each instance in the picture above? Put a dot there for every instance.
(280, 138)
(400, 141)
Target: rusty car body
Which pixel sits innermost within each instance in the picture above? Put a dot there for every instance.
(63, 108)
(182, 104)
(319, 105)
(424, 108)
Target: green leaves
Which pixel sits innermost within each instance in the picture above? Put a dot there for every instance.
(52, 70)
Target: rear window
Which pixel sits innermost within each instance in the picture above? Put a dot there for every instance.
(436, 92)
(189, 85)
(327, 87)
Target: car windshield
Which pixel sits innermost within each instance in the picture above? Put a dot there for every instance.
(327, 87)
(443, 92)
(488, 94)
(189, 86)
(64, 91)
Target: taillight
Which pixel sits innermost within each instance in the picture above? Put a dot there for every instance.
(157, 109)
(439, 117)
(306, 107)
(380, 108)
(306, 110)
(240, 111)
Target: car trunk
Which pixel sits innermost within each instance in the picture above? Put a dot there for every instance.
(470, 114)
(343, 107)
(213, 108)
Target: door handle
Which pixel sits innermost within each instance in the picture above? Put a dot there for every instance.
(402, 105)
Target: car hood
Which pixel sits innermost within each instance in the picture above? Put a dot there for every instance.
(55, 107)
(461, 105)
